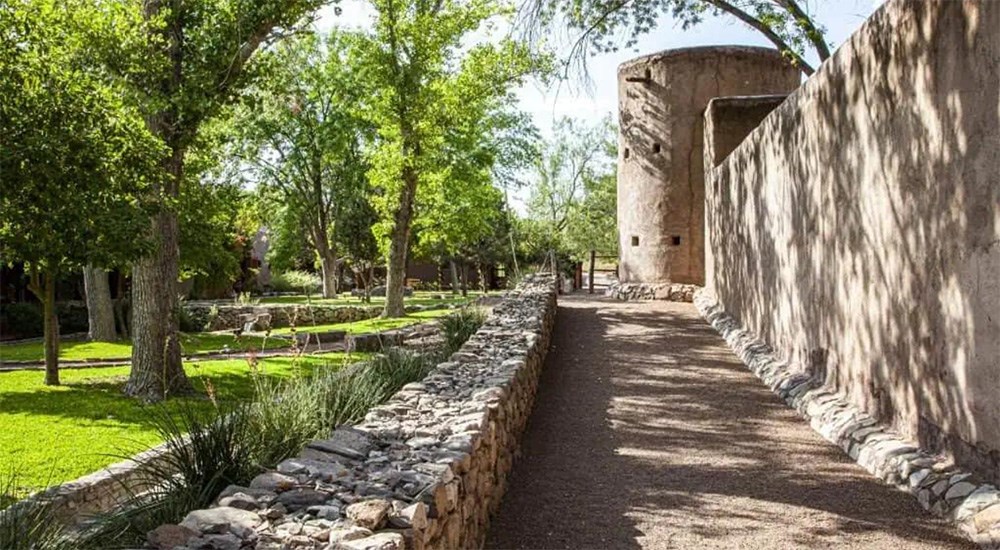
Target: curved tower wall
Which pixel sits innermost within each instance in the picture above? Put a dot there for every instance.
(661, 185)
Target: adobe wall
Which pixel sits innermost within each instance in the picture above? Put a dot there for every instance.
(857, 229)
(728, 121)
(662, 99)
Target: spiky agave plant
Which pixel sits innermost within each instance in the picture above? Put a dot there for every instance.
(201, 455)
(29, 524)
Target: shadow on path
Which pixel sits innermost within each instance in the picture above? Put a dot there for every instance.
(649, 433)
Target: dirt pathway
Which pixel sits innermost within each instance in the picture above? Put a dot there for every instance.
(649, 433)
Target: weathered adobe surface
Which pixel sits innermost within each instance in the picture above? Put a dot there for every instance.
(424, 470)
(856, 230)
(938, 485)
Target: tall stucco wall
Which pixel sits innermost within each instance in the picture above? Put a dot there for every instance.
(857, 229)
(662, 98)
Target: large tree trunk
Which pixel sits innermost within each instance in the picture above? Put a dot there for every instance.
(398, 247)
(156, 353)
(100, 310)
(51, 329)
(454, 275)
(328, 267)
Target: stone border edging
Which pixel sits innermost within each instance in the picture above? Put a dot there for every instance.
(426, 469)
(672, 292)
(938, 486)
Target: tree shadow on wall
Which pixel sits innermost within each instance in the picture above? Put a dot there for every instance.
(856, 229)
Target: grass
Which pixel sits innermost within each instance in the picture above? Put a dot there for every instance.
(371, 325)
(51, 434)
(79, 350)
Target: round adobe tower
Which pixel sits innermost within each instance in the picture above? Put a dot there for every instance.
(661, 186)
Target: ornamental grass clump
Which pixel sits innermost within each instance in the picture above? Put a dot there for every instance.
(460, 326)
(202, 454)
(28, 524)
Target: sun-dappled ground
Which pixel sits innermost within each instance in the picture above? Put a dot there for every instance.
(648, 432)
(52, 434)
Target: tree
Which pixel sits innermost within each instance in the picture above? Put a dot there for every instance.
(572, 204)
(74, 160)
(420, 87)
(602, 23)
(100, 310)
(186, 59)
(304, 139)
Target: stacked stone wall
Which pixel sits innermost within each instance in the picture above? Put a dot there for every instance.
(425, 470)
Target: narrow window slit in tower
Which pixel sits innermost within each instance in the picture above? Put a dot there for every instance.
(656, 148)
(676, 240)
(626, 152)
(648, 75)
(635, 240)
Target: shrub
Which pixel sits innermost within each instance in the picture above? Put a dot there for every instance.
(296, 281)
(185, 320)
(460, 326)
(23, 320)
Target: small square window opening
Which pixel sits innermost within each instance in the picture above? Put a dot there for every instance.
(635, 240)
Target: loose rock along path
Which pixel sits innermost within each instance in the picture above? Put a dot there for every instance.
(649, 433)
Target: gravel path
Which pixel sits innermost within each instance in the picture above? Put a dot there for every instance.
(649, 433)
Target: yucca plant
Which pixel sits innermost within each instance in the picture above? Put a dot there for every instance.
(29, 525)
(202, 454)
(460, 326)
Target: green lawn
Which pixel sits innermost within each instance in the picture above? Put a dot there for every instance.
(371, 325)
(50, 435)
(77, 350)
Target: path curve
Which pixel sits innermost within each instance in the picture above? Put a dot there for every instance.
(649, 433)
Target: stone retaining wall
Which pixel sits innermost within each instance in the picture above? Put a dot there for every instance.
(74, 502)
(673, 292)
(211, 317)
(424, 470)
(938, 485)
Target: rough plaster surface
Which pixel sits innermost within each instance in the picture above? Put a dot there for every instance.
(857, 229)
(661, 192)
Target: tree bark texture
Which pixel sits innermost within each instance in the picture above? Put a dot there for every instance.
(100, 310)
(328, 269)
(156, 353)
(453, 269)
(398, 247)
(51, 329)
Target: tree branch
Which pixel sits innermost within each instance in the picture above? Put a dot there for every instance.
(804, 22)
(796, 59)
